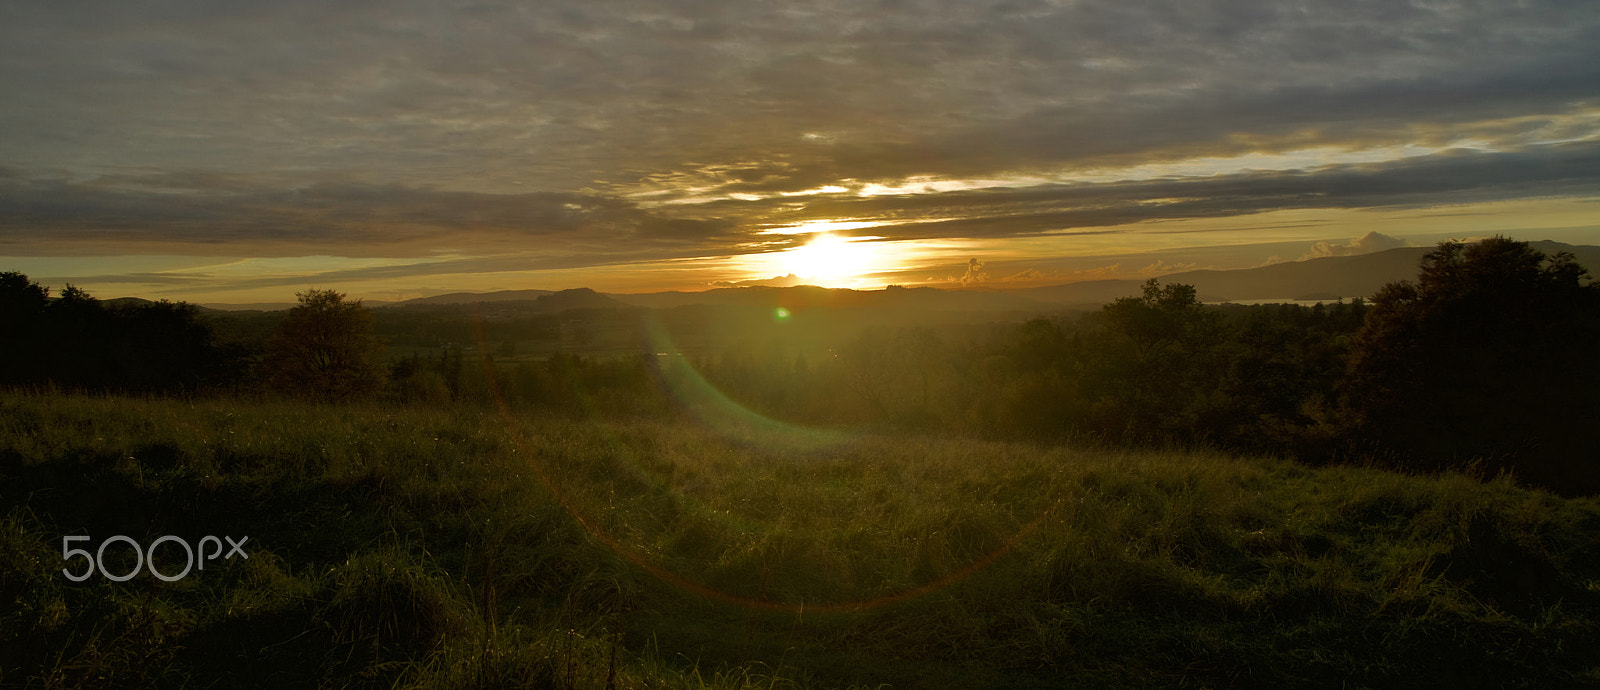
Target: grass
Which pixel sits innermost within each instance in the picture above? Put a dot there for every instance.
(407, 547)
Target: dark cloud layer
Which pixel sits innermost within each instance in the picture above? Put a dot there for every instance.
(394, 221)
(347, 219)
(416, 128)
(1452, 177)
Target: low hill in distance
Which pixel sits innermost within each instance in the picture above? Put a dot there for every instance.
(1326, 278)
(806, 296)
(272, 306)
(511, 303)
(472, 297)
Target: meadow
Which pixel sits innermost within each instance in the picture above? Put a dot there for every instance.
(476, 546)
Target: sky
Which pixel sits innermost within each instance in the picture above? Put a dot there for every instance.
(229, 151)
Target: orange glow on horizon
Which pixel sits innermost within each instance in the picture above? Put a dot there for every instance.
(828, 260)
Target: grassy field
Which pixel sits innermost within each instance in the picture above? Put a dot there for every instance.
(406, 547)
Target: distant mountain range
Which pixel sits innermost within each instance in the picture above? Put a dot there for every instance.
(520, 301)
(471, 297)
(1327, 278)
(804, 296)
(577, 298)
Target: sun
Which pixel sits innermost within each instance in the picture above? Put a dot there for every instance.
(829, 260)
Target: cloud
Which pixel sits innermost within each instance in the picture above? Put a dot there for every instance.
(975, 274)
(1161, 267)
(491, 136)
(1098, 272)
(1452, 177)
(762, 96)
(128, 278)
(65, 217)
(1365, 244)
(230, 216)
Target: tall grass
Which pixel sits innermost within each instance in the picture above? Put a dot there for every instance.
(407, 547)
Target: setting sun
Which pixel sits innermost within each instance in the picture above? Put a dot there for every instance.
(829, 260)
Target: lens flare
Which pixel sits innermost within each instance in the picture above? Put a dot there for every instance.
(746, 427)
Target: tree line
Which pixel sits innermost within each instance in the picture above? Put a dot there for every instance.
(1485, 359)
(75, 341)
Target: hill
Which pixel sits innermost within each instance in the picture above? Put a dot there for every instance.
(1328, 278)
(473, 297)
(809, 296)
(576, 299)
(275, 306)
(515, 303)
(450, 546)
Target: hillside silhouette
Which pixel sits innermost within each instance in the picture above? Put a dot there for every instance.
(1325, 278)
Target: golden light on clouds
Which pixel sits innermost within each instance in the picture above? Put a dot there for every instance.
(821, 226)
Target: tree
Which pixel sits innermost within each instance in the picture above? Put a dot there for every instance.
(78, 335)
(1162, 317)
(20, 296)
(326, 348)
(168, 346)
(22, 304)
(77, 341)
(1488, 356)
(1153, 365)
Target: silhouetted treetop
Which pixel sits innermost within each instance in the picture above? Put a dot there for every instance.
(1162, 315)
(1488, 355)
(76, 341)
(20, 296)
(326, 348)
